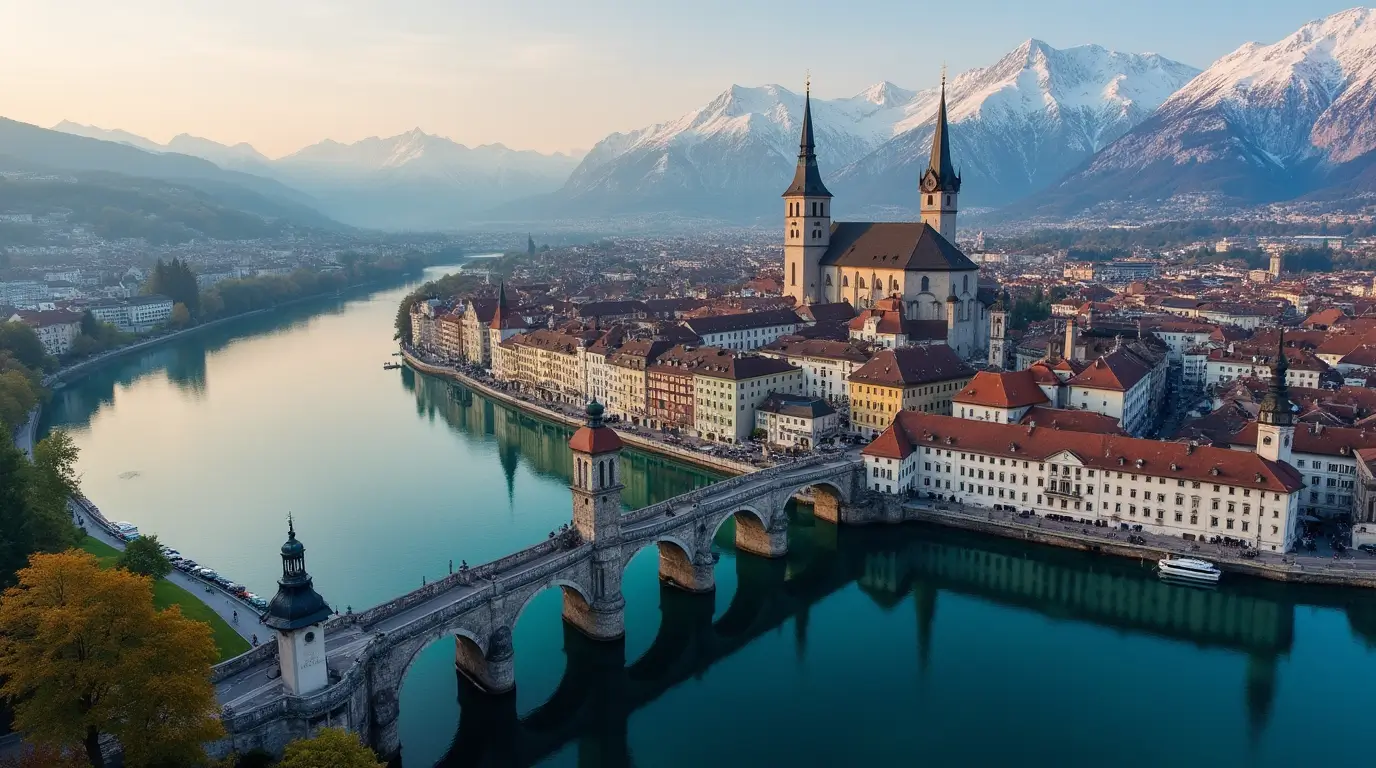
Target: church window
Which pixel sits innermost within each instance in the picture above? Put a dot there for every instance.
(814, 209)
(860, 281)
(845, 281)
(929, 199)
(602, 474)
(792, 274)
(948, 199)
(965, 284)
(828, 281)
(893, 284)
(926, 285)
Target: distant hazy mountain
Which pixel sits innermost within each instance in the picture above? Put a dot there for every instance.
(411, 181)
(104, 134)
(1020, 125)
(1266, 122)
(240, 157)
(40, 147)
(417, 180)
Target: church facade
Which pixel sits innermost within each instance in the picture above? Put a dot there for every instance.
(861, 263)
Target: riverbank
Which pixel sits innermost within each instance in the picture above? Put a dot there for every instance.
(636, 441)
(1288, 568)
(66, 375)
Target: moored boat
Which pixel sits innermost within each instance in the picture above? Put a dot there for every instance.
(1189, 568)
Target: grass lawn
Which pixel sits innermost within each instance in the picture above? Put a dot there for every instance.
(166, 593)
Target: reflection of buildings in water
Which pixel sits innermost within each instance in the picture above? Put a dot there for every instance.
(543, 446)
(593, 703)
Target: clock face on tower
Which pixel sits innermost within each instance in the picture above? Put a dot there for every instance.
(929, 181)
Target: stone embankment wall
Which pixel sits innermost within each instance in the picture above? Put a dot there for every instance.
(631, 439)
(893, 511)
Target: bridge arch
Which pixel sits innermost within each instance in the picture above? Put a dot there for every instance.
(828, 497)
(760, 530)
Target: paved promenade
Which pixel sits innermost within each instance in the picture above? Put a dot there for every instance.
(219, 600)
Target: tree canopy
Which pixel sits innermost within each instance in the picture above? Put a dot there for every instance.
(22, 342)
(330, 748)
(83, 652)
(176, 281)
(33, 501)
(144, 556)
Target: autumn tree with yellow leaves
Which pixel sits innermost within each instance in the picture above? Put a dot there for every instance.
(84, 653)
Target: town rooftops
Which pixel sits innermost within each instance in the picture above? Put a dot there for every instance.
(744, 321)
(741, 367)
(837, 312)
(822, 349)
(611, 309)
(1072, 419)
(797, 406)
(1114, 453)
(1118, 372)
(1008, 389)
(907, 366)
(1317, 439)
(893, 245)
(150, 299)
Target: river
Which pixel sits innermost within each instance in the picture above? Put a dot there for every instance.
(874, 646)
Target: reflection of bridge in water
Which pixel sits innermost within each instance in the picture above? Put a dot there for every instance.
(599, 692)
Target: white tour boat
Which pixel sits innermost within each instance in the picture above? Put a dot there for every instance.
(1189, 568)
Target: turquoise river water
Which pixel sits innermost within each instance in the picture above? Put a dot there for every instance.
(877, 646)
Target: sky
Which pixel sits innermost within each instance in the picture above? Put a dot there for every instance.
(550, 75)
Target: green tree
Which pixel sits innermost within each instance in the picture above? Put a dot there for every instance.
(144, 556)
(329, 748)
(83, 652)
(18, 396)
(21, 341)
(52, 482)
(16, 514)
(89, 325)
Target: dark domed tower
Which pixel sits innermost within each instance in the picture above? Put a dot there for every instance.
(298, 613)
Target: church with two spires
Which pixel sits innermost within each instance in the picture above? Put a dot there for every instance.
(863, 262)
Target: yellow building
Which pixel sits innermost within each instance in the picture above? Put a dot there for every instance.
(908, 379)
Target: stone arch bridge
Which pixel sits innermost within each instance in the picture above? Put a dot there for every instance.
(369, 653)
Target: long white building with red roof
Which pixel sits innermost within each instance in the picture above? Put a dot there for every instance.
(1176, 489)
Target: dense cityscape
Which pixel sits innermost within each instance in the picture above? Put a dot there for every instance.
(1052, 384)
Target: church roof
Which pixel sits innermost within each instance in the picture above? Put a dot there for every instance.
(893, 245)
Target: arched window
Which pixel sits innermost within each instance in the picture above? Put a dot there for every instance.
(828, 280)
(926, 285)
(814, 209)
(893, 284)
(845, 281)
(929, 199)
(860, 281)
(965, 284)
(948, 199)
(792, 274)
(602, 474)
(611, 471)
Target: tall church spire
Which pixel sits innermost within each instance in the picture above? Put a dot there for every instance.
(1275, 407)
(807, 179)
(940, 163)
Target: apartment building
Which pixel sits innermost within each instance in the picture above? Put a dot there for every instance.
(909, 379)
(745, 331)
(728, 388)
(826, 364)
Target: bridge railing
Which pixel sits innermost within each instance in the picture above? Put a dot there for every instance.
(462, 577)
(715, 489)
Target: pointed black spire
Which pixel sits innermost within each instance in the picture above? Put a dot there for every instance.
(940, 167)
(1275, 407)
(296, 603)
(807, 179)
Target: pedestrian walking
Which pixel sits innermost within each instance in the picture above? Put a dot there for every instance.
(254, 641)
(236, 617)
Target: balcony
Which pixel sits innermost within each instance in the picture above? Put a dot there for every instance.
(1063, 489)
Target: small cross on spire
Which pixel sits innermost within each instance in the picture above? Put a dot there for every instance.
(291, 528)
(807, 83)
(943, 75)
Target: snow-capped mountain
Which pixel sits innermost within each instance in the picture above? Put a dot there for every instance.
(1266, 122)
(1021, 124)
(732, 152)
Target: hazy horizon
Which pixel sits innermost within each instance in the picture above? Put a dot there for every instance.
(536, 74)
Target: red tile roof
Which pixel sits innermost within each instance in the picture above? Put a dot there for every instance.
(1073, 420)
(912, 365)
(1317, 439)
(1117, 371)
(1009, 389)
(1107, 452)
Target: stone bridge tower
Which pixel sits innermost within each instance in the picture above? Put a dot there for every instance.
(597, 517)
(298, 613)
